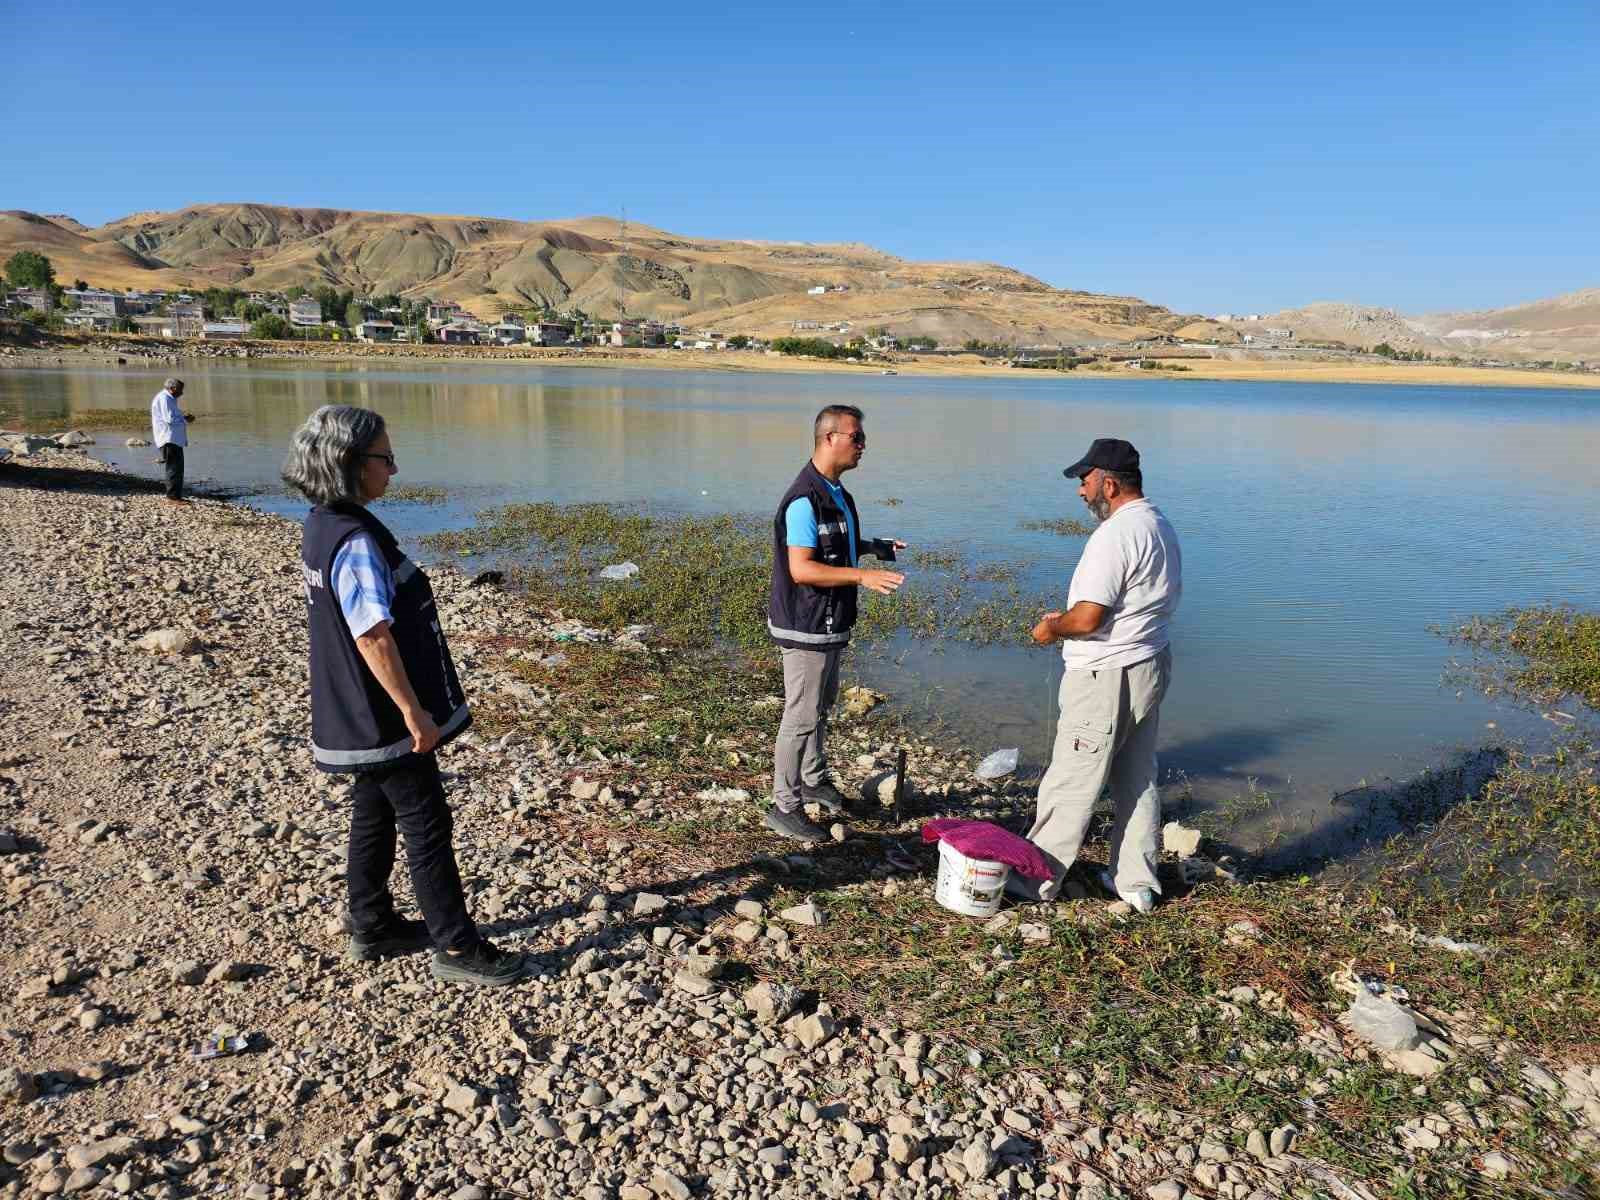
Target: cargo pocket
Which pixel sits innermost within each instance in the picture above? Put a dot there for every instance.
(1087, 710)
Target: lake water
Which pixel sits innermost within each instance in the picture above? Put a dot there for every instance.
(1325, 527)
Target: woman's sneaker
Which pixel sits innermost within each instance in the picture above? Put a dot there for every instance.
(826, 797)
(485, 965)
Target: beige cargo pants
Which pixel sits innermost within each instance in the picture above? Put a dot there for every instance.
(1106, 735)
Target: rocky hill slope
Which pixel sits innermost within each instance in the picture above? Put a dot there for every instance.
(1563, 327)
(594, 263)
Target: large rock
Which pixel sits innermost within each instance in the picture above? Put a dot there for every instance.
(803, 914)
(74, 437)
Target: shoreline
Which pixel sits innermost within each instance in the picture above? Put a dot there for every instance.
(177, 875)
(107, 349)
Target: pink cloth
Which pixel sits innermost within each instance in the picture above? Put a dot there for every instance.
(985, 839)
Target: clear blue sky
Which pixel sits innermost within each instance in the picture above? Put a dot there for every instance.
(1417, 154)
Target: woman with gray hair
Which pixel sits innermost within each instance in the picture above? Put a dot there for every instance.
(384, 697)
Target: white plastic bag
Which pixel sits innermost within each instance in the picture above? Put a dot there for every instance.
(998, 765)
(622, 570)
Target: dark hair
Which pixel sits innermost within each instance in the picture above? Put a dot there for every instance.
(828, 420)
(1128, 481)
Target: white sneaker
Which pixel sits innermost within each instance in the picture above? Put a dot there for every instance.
(1142, 899)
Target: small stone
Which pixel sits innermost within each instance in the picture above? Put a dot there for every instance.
(978, 1159)
(1282, 1139)
(669, 1186)
(166, 641)
(594, 1096)
(1213, 1151)
(774, 1156)
(770, 1001)
(1121, 908)
(469, 1191)
(647, 904)
(750, 910)
(1019, 1121)
(816, 1029)
(82, 1180)
(1180, 840)
(1497, 1165)
(228, 972)
(1256, 1145)
(1167, 1189)
(189, 973)
(17, 1086)
(91, 1019)
(902, 1149)
(694, 985)
(863, 1170)
(746, 931)
(803, 914)
(462, 1098)
(707, 966)
(584, 789)
(838, 832)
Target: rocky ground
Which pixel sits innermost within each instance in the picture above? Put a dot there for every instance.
(173, 875)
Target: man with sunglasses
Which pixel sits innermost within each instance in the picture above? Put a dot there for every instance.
(816, 546)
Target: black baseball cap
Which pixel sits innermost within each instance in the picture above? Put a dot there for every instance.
(1108, 454)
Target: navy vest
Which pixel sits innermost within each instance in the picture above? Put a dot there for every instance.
(799, 616)
(354, 724)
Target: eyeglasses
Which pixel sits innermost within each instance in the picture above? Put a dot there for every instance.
(859, 437)
(388, 458)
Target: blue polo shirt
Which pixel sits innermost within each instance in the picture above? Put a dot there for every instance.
(800, 521)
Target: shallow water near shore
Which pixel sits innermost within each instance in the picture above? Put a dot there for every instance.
(1326, 528)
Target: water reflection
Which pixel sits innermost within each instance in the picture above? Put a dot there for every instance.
(1325, 527)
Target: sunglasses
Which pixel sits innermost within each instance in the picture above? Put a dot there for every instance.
(388, 458)
(858, 438)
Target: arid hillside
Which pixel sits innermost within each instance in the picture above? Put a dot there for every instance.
(1564, 328)
(593, 263)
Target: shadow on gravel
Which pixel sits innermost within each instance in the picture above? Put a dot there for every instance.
(19, 476)
(14, 475)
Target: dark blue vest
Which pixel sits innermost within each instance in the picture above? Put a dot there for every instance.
(800, 616)
(354, 724)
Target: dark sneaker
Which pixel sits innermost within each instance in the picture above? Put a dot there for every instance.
(826, 797)
(485, 965)
(394, 937)
(794, 825)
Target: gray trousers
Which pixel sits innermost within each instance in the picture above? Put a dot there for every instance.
(810, 686)
(1106, 735)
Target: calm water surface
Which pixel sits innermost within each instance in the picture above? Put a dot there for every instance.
(1325, 527)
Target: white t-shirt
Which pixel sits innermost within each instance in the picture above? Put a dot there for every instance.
(1132, 565)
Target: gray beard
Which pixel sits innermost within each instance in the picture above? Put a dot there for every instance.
(1101, 508)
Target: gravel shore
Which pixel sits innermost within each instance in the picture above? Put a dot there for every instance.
(172, 871)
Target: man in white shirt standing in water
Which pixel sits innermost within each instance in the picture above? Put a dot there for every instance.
(1114, 636)
(169, 429)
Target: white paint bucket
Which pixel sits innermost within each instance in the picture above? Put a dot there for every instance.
(970, 886)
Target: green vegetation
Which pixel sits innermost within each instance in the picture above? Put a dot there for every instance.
(920, 341)
(1064, 526)
(1385, 350)
(91, 418)
(989, 349)
(810, 347)
(415, 493)
(1058, 362)
(703, 581)
(1156, 364)
(29, 268)
(1543, 653)
(271, 328)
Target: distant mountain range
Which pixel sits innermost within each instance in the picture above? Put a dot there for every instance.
(606, 268)
(1563, 328)
(597, 264)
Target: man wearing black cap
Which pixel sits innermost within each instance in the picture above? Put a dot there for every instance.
(1114, 636)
